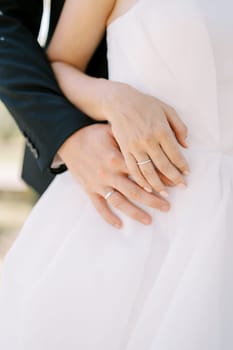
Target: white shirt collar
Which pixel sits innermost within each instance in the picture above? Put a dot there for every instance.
(45, 21)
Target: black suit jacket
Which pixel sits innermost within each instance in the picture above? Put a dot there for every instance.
(29, 90)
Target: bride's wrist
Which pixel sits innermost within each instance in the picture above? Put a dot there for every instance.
(107, 92)
(111, 98)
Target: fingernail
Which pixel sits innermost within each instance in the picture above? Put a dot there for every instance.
(147, 189)
(186, 172)
(164, 194)
(117, 225)
(182, 185)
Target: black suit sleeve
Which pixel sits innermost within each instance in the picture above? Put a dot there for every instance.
(30, 92)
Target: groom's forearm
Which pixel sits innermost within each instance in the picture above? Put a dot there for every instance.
(30, 92)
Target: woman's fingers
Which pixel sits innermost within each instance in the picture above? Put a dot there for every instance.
(135, 193)
(177, 125)
(170, 147)
(165, 155)
(149, 172)
(147, 122)
(164, 165)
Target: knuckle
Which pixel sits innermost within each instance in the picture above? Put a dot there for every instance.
(133, 143)
(149, 139)
(113, 158)
(100, 172)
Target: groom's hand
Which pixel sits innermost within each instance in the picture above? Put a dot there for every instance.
(94, 159)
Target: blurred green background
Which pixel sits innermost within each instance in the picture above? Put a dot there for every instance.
(16, 199)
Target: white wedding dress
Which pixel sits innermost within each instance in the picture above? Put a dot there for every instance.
(71, 281)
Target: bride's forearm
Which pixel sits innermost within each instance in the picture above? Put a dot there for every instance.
(86, 93)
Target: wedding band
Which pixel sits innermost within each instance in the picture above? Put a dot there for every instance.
(144, 162)
(108, 195)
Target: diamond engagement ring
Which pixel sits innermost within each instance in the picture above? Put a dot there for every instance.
(144, 162)
(108, 195)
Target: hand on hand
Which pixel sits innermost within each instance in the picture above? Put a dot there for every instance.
(147, 129)
(94, 159)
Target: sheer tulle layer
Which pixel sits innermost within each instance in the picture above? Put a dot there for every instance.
(72, 281)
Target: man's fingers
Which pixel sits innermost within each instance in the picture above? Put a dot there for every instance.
(118, 201)
(135, 193)
(104, 210)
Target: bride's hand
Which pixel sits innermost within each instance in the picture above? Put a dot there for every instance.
(147, 129)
